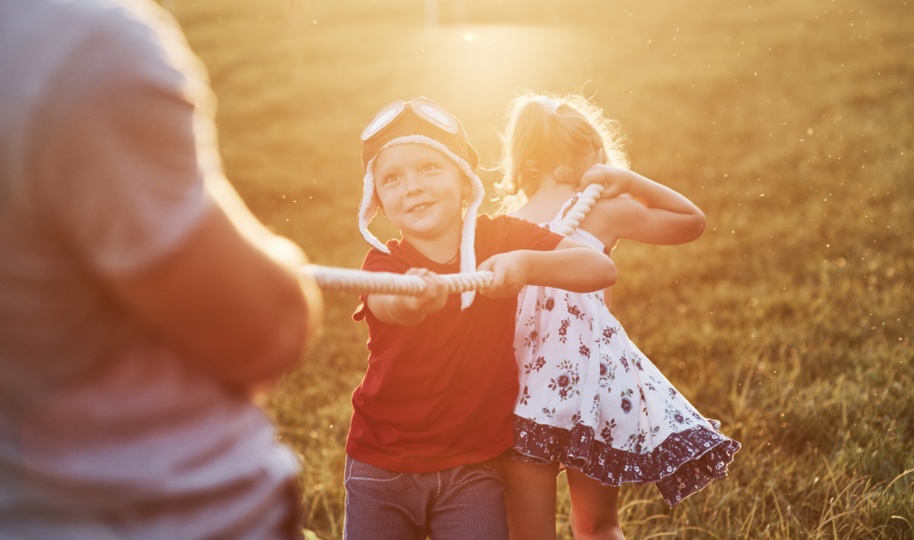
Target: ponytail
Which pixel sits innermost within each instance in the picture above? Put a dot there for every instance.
(549, 135)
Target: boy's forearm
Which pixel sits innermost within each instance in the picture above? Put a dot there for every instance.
(577, 269)
(392, 309)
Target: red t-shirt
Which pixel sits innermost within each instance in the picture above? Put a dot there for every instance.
(441, 393)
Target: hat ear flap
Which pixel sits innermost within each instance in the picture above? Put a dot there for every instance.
(468, 235)
(368, 208)
(376, 201)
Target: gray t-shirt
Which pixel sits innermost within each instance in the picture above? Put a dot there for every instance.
(106, 140)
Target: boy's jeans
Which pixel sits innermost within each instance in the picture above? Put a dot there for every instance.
(464, 503)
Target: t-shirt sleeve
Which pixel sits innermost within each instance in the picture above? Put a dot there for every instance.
(123, 175)
(375, 261)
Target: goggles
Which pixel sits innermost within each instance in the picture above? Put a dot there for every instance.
(418, 117)
(425, 109)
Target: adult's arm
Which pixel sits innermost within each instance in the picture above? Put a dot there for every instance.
(240, 310)
(131, 179)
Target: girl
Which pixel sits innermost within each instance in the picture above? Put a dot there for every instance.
(590, 400)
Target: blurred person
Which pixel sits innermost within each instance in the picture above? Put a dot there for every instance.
(142, 306)
(432, 416)
(590, 401)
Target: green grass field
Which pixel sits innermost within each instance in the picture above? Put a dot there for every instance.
(791, 124)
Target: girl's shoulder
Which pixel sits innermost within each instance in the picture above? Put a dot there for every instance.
(608, 217)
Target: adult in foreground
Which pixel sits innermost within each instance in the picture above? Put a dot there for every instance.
(141, 304)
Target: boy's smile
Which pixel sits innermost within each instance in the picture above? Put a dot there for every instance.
(421, 192)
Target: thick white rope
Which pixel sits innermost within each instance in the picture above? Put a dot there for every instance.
(364, 282)
(360, 281)
(581, 208)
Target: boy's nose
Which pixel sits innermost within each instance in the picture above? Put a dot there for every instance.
(413, 183)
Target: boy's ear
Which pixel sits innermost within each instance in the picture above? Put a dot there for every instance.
(466, 187)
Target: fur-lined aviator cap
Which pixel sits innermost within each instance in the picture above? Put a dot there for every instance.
(422, 121)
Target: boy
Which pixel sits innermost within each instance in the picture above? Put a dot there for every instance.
(432, 415)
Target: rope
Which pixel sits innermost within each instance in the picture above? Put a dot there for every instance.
(581, 208)
(364, 282)
(332, 279)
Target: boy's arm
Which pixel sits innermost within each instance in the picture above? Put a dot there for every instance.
(570, 266)
(410, 310)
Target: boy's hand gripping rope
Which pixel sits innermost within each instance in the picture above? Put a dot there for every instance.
(364, 282)
(361, 281)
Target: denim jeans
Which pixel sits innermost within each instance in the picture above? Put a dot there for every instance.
(464, 503)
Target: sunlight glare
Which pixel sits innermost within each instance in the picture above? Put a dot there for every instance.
(496, 60)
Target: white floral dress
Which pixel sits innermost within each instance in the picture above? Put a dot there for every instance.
(589, 399)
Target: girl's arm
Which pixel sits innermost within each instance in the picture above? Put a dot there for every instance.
(570, 266)
(640, 209)
(410, 310)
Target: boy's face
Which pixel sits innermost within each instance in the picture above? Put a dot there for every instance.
(421, 192)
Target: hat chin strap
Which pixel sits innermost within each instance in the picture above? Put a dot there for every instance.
(368, 208)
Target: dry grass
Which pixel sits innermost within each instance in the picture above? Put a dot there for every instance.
(790, 124)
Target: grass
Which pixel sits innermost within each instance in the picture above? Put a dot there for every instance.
(790, 124)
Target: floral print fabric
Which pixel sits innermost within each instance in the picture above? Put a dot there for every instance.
(590, 399)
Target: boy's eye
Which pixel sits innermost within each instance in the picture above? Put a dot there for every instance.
(429, 167)
(389, 178)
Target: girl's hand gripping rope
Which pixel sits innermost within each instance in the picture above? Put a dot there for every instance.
(615, 180)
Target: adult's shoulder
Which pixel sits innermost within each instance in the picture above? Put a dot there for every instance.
(102, 46)
(104, 59)
(95, 31)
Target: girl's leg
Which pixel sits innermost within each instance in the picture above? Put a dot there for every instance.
(530, 500)
(594, 511)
